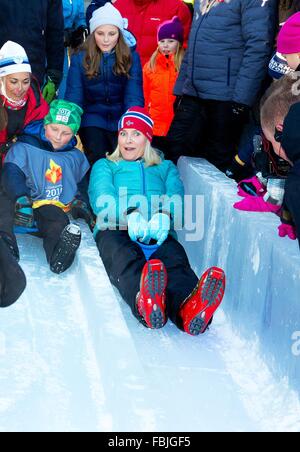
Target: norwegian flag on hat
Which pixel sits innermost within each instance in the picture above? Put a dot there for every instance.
(137, 118)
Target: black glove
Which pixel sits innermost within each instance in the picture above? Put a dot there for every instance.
(240, 113)
(24, 213)
(237, 171)
(78, 37)
(67, 37)
(80, 209)
(55, 76)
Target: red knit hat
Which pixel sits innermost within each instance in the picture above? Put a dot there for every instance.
(171, 29)
(137, 118)
(288, 41)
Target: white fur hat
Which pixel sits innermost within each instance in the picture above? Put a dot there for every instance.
(13, 59)
(107, 15)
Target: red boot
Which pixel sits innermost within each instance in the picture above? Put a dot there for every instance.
(197, 311)
(151, 300)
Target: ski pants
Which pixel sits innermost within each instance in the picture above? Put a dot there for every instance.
(205, 128)
(124, 262)
(50, 221)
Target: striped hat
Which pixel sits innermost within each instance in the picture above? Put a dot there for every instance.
(13, 59)
(137, 118)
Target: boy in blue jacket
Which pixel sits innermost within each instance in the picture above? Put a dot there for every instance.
(40, 180)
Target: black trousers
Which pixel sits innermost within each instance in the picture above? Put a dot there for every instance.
(124, 262)
(51, 221)
(160, 143)
(204, 128)
(97, 142)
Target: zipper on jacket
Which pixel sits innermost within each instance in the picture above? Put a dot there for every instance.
(228, 71)
(142, 169)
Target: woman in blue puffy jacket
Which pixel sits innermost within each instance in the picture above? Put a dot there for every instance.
(137, 197)
(105, 79)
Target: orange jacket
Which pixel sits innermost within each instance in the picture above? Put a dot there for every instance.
(158, 91)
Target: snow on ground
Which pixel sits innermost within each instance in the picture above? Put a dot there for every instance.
(72, 358)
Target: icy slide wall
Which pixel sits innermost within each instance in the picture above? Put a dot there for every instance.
(263, 271)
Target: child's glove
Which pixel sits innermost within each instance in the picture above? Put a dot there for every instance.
(287, 230)
(49, 91)
(24, 212)
(251, 187)
(80, 209)
(256, 204)
(159, 227)
(138, 228)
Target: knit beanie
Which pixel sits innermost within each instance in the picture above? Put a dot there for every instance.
(290, 140)
(65, 113)
(13, 59)
(107, 15)
(288, 41)
(171, 29)
(137, 118)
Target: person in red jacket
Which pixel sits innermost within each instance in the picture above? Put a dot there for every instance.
(160, 75)
(145, 16)
(21, 101)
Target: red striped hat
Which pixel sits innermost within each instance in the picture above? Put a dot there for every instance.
(137, 118)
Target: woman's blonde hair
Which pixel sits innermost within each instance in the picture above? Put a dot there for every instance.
(151, 156)
(93, 56)
(177, 58)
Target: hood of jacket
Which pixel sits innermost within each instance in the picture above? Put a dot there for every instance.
(34, 134)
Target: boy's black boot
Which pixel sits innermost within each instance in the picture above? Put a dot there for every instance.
(65, 251)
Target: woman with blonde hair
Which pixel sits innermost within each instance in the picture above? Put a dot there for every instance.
(137, 197)
(105, 79)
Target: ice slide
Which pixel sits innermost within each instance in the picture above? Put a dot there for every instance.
(72, 358)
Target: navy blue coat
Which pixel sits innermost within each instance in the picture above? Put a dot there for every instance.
(38, 26)
(229, 49)
(106, 97)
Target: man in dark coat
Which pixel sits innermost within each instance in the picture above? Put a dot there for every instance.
(38, 26)
(291, 144)
(221, 76)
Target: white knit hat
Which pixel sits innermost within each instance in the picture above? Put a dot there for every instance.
(13, 59)
(108, 15)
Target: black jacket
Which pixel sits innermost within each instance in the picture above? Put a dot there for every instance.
(38, 26)
(290, 142)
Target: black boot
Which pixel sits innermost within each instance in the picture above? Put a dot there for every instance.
(12, 277)
(65, 251)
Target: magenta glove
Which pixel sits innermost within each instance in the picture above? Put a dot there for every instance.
(287, 230)
(256, 204)
(251, 187)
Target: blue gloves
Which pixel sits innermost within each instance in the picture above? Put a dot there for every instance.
(24, 212)
(138, 228)
(159, 227)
